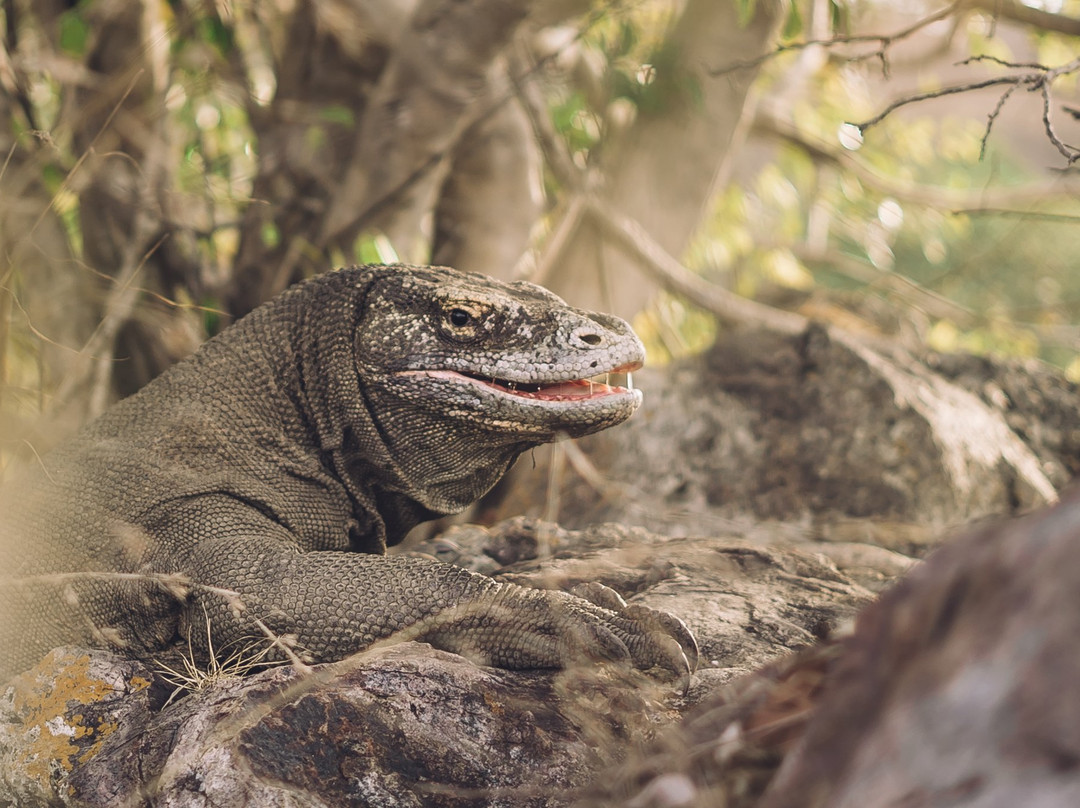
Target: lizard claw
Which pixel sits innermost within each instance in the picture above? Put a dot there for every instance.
(653, 637)
(600, 595)
(515, 627)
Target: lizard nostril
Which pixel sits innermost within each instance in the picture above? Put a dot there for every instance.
(589, 339)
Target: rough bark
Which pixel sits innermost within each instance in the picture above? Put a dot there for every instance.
(409, 100)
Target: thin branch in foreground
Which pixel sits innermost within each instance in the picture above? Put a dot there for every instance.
(1029, 15)
(175, 584)
(1037, 215)
(1070, 153)
(991, 118)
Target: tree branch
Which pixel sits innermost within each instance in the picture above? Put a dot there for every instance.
(883, 41)
(727, 306)
(1037, 78)
(929, 196)
(1015, 11)
(523, 72)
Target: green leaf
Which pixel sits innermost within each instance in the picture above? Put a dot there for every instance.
(270, 234)
(793, 25)
(73, 33)
(374, 248)
(338, 113)
(745, 10)
(841, 16)
(215, 33)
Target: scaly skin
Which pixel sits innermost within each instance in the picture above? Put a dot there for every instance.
(281, 459)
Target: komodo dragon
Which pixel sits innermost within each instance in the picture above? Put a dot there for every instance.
(280, 460)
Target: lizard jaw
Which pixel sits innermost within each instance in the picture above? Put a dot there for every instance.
(566, 390)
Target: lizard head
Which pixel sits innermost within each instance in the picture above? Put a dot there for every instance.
(421, 385)
(510, 360)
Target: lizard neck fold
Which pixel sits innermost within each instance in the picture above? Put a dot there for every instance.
(400, 466)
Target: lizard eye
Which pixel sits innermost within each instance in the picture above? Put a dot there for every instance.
(459, 317)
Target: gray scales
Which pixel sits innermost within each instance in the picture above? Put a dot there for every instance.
(252, 490)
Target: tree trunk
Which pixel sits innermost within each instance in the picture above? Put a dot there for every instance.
(668, 167)
(119, 125)
(410, 100)
(491, 198)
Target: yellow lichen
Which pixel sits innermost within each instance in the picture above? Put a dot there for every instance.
(48, 698)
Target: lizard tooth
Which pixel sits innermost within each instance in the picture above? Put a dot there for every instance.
(629, 380)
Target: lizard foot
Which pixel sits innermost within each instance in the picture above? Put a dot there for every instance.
(654, 638)
(517, 627)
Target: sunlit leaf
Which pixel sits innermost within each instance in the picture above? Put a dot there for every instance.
(73, 33)
(337, 113)
(214, 32)
(270, 235)
(793, 25)
(745, 11)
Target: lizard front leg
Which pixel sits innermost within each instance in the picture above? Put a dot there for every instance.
(332, 604)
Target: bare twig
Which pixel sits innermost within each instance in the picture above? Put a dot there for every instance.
(177, 585)
(118, 308)
(997, 60)
(914, 99)
(1015, 11)
(523, 70)
(936, 197)
(7, 159)
(1036, 78)
(910, 292)
(124, 294)
(993, 117)
(916, 296)
(1070, 153)
(87, 151)
(174, 583)
(883, 41)
(1039, 215)
(556, 245)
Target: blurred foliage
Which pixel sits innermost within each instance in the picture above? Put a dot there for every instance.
(776, 231)
(776, 228)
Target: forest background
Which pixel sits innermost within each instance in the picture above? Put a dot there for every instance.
(899, 170)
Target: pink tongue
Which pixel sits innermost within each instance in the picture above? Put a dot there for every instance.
(572, 389)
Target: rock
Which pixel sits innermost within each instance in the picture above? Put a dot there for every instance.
(401, 726)
(818, 429)
(961, 686)
(746, 603)
(1038, 403)
(406, 725)
(727, 748)
(64, 713)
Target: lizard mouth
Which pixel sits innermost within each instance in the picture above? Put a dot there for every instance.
(592, 387)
